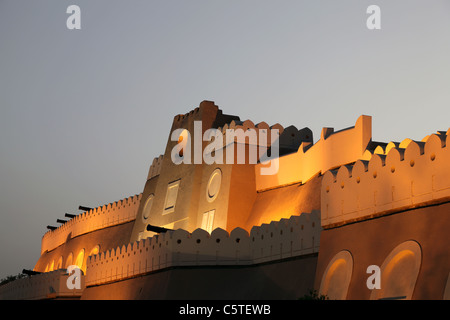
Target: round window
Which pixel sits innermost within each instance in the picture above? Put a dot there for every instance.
(213, 187)
(147, 207)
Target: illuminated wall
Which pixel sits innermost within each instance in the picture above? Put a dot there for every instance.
(297, 236)
(115, 213)
(50, 285)
(208, 195)
(360, 202)
(88, 233)
(415, 173)
(392, 212)
(332, 150)
(174, 188)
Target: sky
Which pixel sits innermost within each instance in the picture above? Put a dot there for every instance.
(84, 112)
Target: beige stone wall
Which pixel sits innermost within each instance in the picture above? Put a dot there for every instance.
(288, 279)
(155, 167)
(297, 236)
(75, 251)
(50, 285)
(332, 150)
(283, 202)
(418, 272)
(186, 179)
(231, 206)
(402, 176)
(389, 210)
(98, 218)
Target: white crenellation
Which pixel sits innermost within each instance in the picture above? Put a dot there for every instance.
(292, 237)
(41, 286)
(296, 236)
(115, 213)
(333, 149)
(401, 176)
(155, 167)
(289, 137)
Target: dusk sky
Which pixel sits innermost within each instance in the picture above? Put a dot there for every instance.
(84, 112)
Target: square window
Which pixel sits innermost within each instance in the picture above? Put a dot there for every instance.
(171, 197)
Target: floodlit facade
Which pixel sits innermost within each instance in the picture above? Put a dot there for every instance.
(267, 211)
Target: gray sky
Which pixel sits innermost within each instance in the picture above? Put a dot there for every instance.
(84, 112)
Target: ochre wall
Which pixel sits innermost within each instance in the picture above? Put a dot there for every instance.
(290, 279)
(283, 202)
(404, 176)
(190, 176)
(106, 239)
(332, 150)
(370, 242)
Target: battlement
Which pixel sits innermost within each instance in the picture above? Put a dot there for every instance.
(332, 150)
(393, 178)
(111, 214)
(289, 137)
(286, 238)
(249, 125)
(155, 167)
(258, 138)
(204, 107)
(46, 285)
(181, 117)
(296, 236)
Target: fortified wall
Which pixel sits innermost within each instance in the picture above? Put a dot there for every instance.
(86, 234)
(389, 212)
(333, 209)
(95, 219)
(332, 150)
(299, 235)
(402, 176)
(220, 194)
(48, 285)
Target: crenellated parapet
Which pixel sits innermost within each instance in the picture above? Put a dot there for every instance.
(333, 149)
(226, 130)
(208, 108)
(296, 236)
(394, 178)
(286, 238)
(182, 117)
(249, 127)
(288, 138)
(108, 215)
(48, 285)
(155, 167)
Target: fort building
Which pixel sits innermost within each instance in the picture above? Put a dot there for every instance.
(198, 230)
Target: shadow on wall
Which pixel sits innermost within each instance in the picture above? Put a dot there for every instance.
(288, 280)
